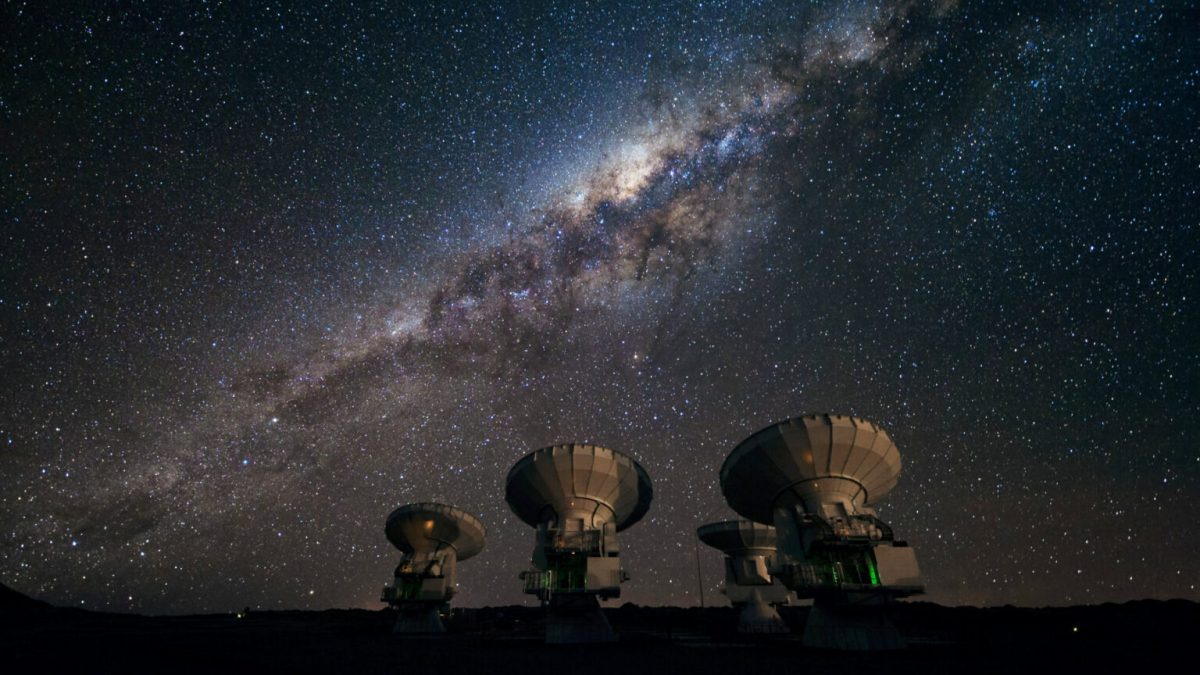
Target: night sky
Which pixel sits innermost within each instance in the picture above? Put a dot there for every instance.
(267, 273)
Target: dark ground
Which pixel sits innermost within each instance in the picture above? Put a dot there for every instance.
(496, 641)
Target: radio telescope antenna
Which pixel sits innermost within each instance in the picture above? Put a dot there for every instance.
(815, 478)
(749, 549)
(578, 497)
(433, 538)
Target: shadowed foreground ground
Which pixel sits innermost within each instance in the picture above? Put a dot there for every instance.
(498, 641)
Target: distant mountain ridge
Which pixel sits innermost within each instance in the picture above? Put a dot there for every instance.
(13, 601)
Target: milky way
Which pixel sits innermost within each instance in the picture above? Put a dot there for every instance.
(269, 274)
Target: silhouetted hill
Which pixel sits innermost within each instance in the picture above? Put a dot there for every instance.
(503, 640)
(12, 601)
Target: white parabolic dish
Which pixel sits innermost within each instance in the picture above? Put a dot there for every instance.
(575, 478)
(794, 456)
(427, 526)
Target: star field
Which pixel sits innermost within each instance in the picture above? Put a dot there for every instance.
(269, 272)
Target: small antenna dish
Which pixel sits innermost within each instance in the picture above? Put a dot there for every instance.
(578, 496)
(433, 538)
(814, 478)
(749, 549)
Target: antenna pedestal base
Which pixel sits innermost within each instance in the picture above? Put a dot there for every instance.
(860, 628)
(576, 619)
(760, 618)
(419, 619)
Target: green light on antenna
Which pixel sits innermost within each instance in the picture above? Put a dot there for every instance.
(871, 569)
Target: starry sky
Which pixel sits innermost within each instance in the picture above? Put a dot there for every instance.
(268, 271)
